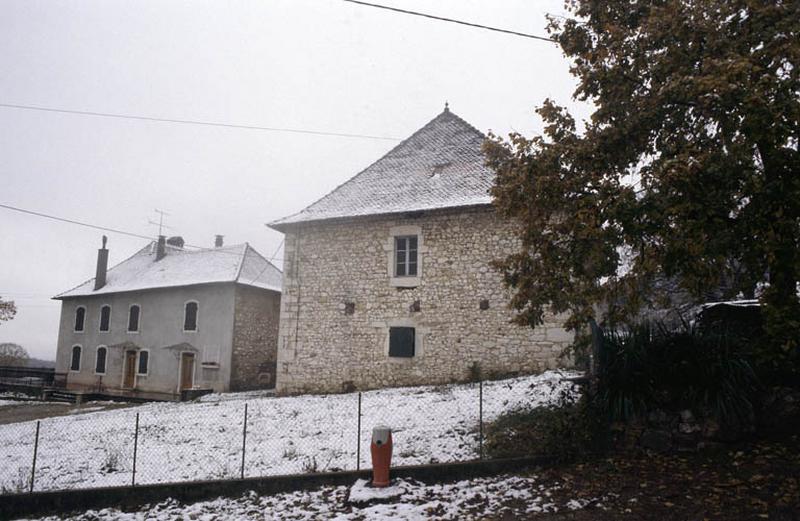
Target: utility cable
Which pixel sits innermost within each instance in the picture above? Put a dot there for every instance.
(114, 230)
(452, 20)
(194, 122)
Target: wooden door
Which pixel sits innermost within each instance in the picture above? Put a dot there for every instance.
(187, 370)
(130, 370)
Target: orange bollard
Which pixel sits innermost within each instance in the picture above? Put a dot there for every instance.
(381, 450)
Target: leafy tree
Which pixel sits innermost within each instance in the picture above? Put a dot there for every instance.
(13, 354)
(7, 310)
(688, 169)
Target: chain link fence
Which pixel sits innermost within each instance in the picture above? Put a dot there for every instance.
(229, 436)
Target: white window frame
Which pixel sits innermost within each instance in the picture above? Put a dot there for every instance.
(138, 322)
(105, 362)
(395, 232)
(407, 262)
(210, 362)
(137, 374)
(196, 317)
(100, 317)
(80, 358)
(75, 319)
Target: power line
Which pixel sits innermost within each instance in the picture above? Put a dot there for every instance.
(79, 223)
(114, 230)
(268, 262)
(194, 122)
(452, 20)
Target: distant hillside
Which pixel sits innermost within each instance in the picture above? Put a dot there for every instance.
(38, 362)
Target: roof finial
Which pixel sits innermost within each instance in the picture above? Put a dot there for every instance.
(446, 107)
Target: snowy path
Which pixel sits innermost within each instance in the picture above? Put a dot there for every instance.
(193, 441)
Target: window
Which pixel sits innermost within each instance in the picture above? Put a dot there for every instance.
(133, 318)
(405, 256)
(144, 361)
(401, 341)
(75, 362)
(190, 317)
(80, 318)
(100, 360)
(105, 318)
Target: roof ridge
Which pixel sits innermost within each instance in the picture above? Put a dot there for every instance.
(444, 114)
(265, 259)
(241, 262)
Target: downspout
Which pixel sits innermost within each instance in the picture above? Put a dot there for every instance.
(296, 273)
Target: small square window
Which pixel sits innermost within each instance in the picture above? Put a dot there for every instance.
(401, 342)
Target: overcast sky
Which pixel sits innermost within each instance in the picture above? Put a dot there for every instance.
(323, 65)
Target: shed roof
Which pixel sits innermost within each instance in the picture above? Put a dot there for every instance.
(240, 264)
(440, 166)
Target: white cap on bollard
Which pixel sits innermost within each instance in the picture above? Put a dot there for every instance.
(380, 435)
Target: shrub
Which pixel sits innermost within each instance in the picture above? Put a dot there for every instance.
(565, 430)
(649, 367)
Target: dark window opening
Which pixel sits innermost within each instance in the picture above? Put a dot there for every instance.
(405, 256)
(75, 363)
(190, 317)
(133, 318)
(80, 318)
(105, 318)
(100, 364)
(144, 360)
(401, 342)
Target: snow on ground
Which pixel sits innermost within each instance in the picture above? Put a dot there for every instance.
(203, 440)
(502, 497)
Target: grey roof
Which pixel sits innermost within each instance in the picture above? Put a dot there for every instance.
(440, 166)
(240, 264)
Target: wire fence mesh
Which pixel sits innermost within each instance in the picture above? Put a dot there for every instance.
(234, 436)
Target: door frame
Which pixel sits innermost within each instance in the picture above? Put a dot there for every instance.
(125, 354)
(180, 368)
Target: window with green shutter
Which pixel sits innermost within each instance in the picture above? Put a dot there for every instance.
(401, 342)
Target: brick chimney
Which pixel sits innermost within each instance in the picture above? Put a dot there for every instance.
(102, 266)
(161, 248)
(218, 241)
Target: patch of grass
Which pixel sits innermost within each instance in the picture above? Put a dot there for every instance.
(567, 430)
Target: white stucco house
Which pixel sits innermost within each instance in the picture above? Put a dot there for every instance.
(168, 319)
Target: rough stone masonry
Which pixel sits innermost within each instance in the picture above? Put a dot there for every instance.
(340, 299)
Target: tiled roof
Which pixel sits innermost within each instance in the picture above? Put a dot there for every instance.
(240, 263)
(439, 166)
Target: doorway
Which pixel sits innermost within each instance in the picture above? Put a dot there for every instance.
(187, 371)
(129, 378)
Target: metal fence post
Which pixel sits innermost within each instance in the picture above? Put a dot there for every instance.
(35, 453)
(244, 438)
(480, 417)
(358, 436)
(135, 449)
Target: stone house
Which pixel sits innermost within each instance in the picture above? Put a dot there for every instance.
(167, 320)
(388, 282)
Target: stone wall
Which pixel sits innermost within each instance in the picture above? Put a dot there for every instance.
(255, 338)
(339, 300)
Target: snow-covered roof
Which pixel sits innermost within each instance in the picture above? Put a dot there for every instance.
(240, 263)
(440, 166)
